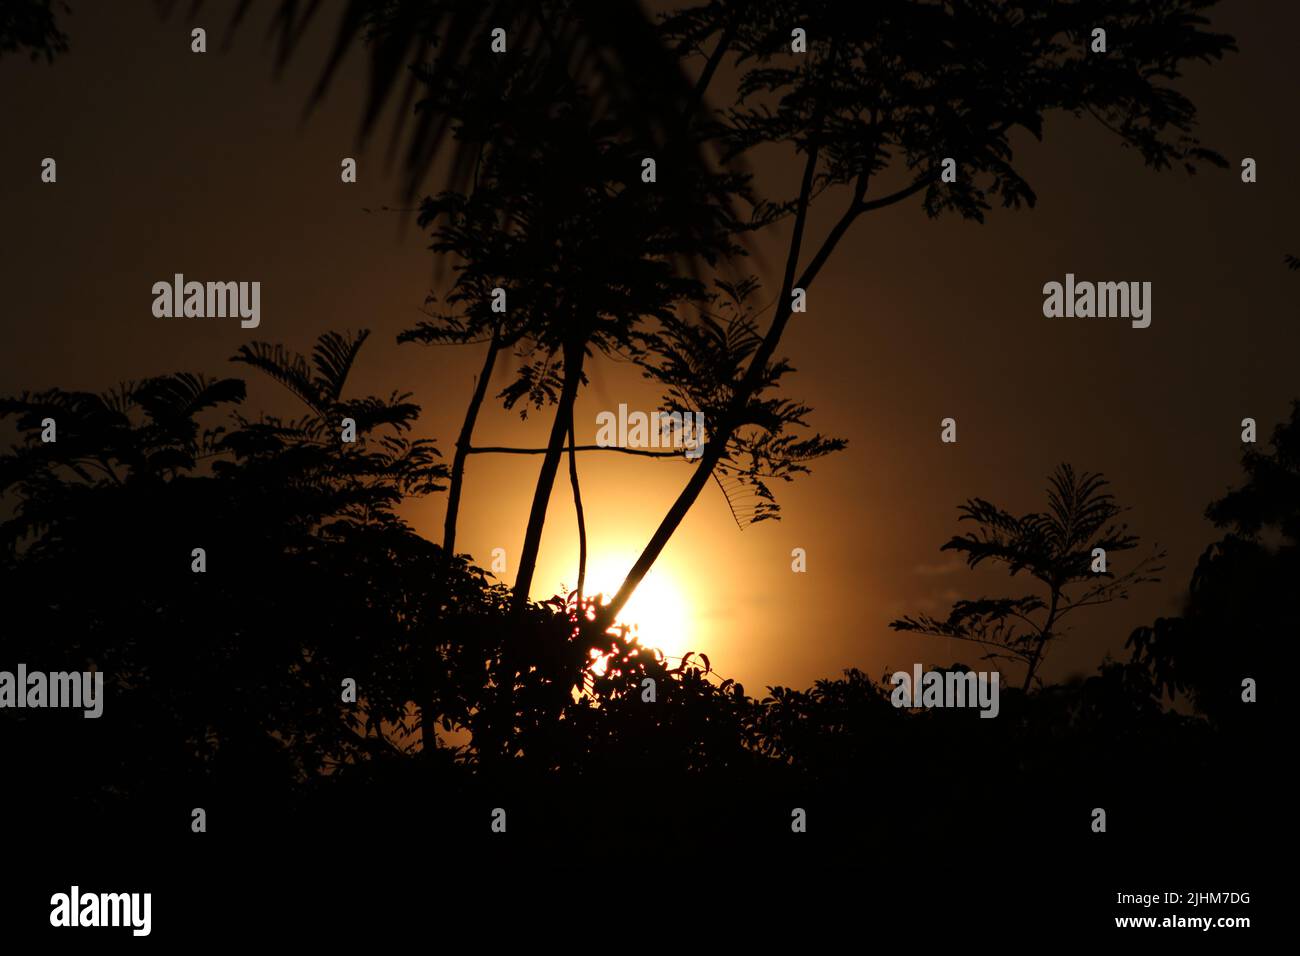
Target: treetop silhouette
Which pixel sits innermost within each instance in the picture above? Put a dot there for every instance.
(888, 89)
(1059, 549)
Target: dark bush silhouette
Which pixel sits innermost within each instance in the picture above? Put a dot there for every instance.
(224, 687)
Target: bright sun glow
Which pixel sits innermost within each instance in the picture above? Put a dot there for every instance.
(658, 612)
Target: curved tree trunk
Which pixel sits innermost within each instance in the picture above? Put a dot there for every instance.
(577, 507)
(427, 706)
(546, 477)
(717, 444)
(1044, 636)
(463, 447)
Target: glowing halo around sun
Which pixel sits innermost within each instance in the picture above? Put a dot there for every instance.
(658, 612)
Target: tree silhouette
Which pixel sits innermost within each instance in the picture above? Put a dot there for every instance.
(612, 47)
(231, 677)
(700, 360)
(1241, 599)
(559, 217)
(1056, 548)
(886, 90)
(468, 227)
(226, 683)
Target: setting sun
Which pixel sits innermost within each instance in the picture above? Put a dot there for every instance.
(658, 612)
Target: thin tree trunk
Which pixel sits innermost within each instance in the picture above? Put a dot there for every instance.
(714, 61)
(428, 736)
(577, 507)
(1042, 640)
(550, 465)
(463, 446)
(716, 447)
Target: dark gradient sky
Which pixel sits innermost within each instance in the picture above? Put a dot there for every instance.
(171, 162)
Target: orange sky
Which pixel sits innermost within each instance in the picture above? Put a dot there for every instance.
(171, 162)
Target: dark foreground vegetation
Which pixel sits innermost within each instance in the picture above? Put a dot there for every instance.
(225, 689)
